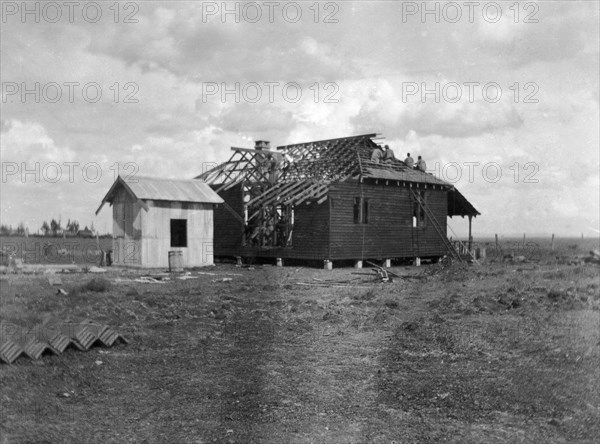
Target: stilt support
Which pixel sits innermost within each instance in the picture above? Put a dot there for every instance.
(279, 262)
(470, 235)
(358, 264)
(327, 265)
(387, 263)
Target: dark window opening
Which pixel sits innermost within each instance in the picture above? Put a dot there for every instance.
(178, 233)
(361, 210)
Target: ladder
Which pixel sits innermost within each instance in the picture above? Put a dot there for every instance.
(453, 253)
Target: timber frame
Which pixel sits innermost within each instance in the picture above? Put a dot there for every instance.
(275, 199)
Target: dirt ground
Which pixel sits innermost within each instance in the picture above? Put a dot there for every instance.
(502, 352)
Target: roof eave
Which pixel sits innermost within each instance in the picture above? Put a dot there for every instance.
(120, 181)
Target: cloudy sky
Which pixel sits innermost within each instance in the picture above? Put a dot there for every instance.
(501, 100)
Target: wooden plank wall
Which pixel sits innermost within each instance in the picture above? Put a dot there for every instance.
(228, 228)
(389, 232)
(309, 239)
(127, 229)
(156, 233)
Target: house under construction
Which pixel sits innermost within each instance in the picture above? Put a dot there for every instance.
(327, 200)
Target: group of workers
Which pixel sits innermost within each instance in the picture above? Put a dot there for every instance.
(386, 155)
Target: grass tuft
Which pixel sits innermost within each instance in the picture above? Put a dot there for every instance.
(98, 285)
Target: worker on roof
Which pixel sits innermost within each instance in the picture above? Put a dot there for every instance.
(388, 155)
(409, 161)
(377, 155)
(421, 165)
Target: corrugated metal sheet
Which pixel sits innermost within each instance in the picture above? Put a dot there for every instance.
(151, 188)
(61, 342)
(173, 190)
(85, 338)
(108, 337)
(10, 352)
(32, 343)
(458, 205)
(35, 349)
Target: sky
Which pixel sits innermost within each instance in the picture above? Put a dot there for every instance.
(501, 99)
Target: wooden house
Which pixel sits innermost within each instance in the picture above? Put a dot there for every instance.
(152, 217)
(327, 200)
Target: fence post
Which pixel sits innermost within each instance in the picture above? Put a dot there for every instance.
(552, 244)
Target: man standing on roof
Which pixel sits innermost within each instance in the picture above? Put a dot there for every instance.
(409, 161)
(388, 155)
(421, 165)
(377, 155)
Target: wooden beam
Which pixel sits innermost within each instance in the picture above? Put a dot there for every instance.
(285, 192)
(312, 193)
(327, 140)
(265, 194)
(300, 193)
(323, 199)
(235, 148)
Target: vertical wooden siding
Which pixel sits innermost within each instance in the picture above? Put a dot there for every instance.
(310, 238)
(328, 231)
(229, 229)
(127, 229)
(156, 233)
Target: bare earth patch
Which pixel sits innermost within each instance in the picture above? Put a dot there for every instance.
(473, 354)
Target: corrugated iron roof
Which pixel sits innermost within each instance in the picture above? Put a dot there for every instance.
(458, 205)
(174, 190)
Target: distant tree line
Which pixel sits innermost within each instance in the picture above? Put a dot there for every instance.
(52, 229)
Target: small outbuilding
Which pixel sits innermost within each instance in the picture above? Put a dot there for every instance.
(154, 217)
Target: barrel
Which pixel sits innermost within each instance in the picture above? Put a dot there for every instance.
(175, 261)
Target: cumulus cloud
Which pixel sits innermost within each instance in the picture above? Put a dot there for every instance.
(368, 56)
(396, 112)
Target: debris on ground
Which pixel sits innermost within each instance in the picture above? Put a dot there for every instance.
(219, 274)
(54, 339)
(95, 269)
(593, 257)
(387, 271)
(54, 280)
(323, 284)
(151, 280)
(356, 282)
